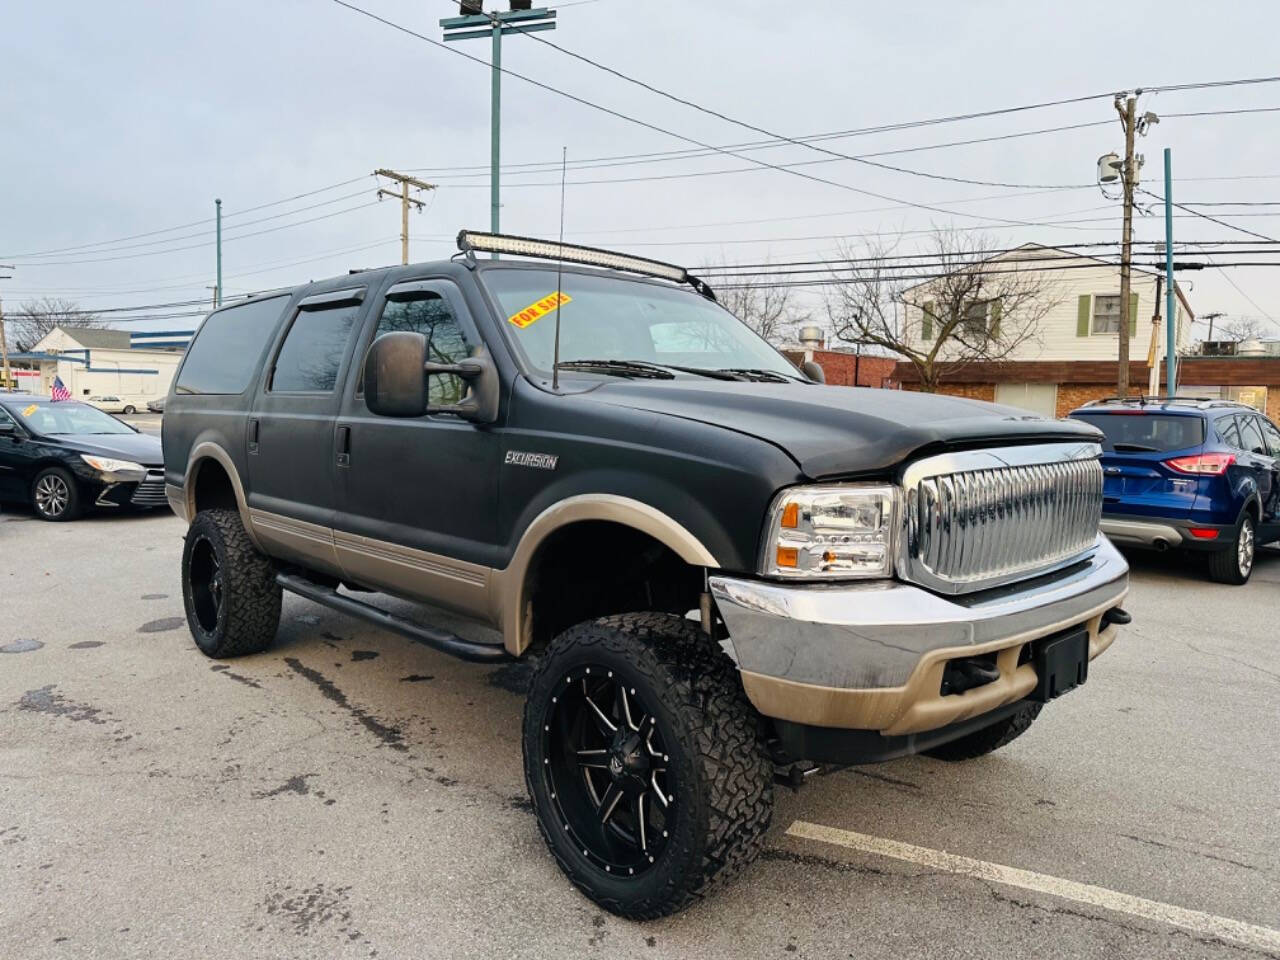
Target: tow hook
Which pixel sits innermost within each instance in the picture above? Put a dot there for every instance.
(1116, 615)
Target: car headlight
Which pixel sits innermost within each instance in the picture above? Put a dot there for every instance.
(107, 465)
(831, 531)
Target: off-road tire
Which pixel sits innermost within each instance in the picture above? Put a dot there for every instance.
(72, 508)
(1224, 565)
(981, 742)
(249, 614)
(723, 797)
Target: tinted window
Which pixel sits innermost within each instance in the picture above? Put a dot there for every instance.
(313, 349)
(430, 315)
(226, 351)
(1227, 432)
(1272, 433)
(1250, 435)
(1148, 432)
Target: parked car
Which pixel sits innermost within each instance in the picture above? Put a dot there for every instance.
(66, 457)
(1190, 474)
(728, 570)
(156, 406)
(109, 403)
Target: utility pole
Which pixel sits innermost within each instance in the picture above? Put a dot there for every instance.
(217, 291)
(1153, 351)
(1171, 319)
(4, 343)
(403, 196)
(1212, 317)
(476, 23)
(1127, 118)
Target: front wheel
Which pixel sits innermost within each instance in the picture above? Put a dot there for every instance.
(1235, 563)
(228, 587)
(130, 411)
(645, 763)
(55, 496)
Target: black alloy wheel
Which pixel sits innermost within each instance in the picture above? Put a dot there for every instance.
(607, 773)
(204, 576)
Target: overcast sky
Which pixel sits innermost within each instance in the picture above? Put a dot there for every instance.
(125, 118)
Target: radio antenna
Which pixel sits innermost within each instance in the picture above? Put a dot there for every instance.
(555, 357)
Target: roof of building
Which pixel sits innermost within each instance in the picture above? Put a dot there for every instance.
(95, 337)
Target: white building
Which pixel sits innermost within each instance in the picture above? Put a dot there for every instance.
(136, 367)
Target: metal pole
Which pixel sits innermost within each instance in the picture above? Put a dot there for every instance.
(1171, 318)
(495, 119)
(4, 343)
(217, 292)
(1126, 249)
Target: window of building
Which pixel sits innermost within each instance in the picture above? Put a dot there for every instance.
(313, 349)
(976, 319)
(429, 314)
(228, 346)
(1106, 313)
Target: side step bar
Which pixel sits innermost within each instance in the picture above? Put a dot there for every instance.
(441, 640)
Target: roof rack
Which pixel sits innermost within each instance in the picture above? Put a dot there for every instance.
(1142, 401)
(470, 241)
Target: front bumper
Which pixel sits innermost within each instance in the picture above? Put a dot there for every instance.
(870, 656)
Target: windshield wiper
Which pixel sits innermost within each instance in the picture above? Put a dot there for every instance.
(1134, 447)
(621, 368)
(762, 375)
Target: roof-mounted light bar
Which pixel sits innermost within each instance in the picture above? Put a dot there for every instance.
(470, 240)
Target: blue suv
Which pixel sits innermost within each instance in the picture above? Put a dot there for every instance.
(1192, 474)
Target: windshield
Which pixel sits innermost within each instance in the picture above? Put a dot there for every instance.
(609, 318)
(67, 417)
(1146, 432)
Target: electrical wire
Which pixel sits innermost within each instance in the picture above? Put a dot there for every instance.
(1205, 216)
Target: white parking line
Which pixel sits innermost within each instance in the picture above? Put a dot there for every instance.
(1205, 924)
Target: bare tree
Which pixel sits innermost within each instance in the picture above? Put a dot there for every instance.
(1243, 328)
(975, 306)
(35, 319)
(769, 310)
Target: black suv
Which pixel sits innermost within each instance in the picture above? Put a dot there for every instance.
(727, 572)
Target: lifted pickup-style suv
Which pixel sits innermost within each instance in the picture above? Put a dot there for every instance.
(727, 571)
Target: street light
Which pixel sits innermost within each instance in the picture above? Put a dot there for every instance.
(475, 23)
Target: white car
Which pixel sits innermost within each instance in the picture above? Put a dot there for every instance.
(112, 404)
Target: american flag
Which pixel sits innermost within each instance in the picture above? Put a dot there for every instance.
(60, 391)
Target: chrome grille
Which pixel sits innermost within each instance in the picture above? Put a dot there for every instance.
(987, 517)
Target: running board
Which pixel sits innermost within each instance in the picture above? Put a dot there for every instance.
(441, 640)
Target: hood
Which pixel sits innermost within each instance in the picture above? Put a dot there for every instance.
(831, 431)
(138, 447)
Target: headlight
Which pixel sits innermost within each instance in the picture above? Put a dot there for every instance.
(107, 465)
(831, 532)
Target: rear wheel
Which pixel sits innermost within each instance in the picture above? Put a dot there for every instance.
(229, 588)
(1235, 564)
(130, 410)
(645, 763)
(984, 741)
(54, 495)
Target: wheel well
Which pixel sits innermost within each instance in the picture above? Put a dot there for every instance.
(594, 568)
(213, 487)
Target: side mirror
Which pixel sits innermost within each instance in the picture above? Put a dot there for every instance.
(395, 380)
(813, 372)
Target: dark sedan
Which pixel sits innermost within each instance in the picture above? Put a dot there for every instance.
(66, 457)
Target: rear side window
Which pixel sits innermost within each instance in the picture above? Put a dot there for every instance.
(225, 353)
(1250, 435)
(1273, 437)
(1228, 432)
(313, 349)
(1145, 432)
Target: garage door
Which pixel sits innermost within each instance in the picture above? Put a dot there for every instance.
(1041, 398)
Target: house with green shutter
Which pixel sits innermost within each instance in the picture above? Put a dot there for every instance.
(1069, 353)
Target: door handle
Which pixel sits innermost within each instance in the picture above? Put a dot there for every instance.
(344, 446)
(253, 436)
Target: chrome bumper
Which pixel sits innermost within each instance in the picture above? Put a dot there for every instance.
(810, 644)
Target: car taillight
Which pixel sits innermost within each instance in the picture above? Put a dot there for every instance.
(1202, 463)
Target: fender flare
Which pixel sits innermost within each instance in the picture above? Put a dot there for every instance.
(511, 602)
(200, 454)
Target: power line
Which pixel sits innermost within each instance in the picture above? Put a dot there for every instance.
(1205, 216)
(679, 136)
(194, 223)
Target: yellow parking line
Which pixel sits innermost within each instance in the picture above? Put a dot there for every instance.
(1205, 924)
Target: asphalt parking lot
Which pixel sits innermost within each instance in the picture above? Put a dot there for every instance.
(352, 794)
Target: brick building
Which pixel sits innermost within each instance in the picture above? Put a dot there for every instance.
(846, 369)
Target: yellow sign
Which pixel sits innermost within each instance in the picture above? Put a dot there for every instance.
(536, 311)
(30, 410)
